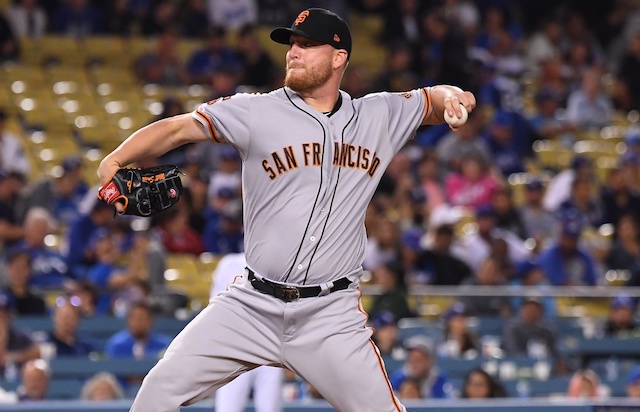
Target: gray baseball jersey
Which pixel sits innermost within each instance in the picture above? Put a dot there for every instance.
(308, 178)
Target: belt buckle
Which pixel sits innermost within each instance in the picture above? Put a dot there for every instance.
(289, 293)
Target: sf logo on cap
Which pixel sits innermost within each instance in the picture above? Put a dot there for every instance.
(302, 17)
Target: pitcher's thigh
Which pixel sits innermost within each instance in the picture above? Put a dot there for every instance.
(349, 373)
(209, 352)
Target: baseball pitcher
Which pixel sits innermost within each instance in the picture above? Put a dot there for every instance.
(312, 158)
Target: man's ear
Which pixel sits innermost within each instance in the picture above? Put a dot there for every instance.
(340, 58)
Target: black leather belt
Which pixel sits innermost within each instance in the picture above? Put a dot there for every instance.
(291, 293)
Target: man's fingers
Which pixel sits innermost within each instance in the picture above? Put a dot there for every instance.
(119, 207)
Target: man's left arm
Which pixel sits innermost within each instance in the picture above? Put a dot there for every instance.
(449, 98)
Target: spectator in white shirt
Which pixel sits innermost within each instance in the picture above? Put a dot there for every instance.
(27, 19)
(12, 157)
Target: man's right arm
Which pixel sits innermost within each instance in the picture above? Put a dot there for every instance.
(152, 141)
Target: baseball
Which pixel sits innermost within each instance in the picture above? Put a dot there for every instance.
(454, 120)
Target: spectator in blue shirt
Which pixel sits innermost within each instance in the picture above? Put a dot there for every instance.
(77, 18)
(113, 279)
(420, 365)
(212, 56)
(503, 145)
(48, 267)
(64, 337)
(80, 254)
(137, 341)
(565, 263)
(225, 235)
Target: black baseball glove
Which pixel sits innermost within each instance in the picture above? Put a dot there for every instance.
(143, 192)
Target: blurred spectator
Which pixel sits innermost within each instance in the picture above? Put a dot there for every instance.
(402, 22)
(506, 214)
(16, 346)
(138, 340)
(546, 42)
(225, 81)
(87, 295)
(430, 180)
(409, 389)
(396, 180)
(163, 65)
(564, 262)
(397, 74)
(355, 81)
(214, 54)
(23, 300)
(102, 386)
(589, 106)
(81, 254)
(489, 274)
(27, 18)
(64, 338)
(193, 18)
(61, 194)
(9, 45)
(173, 106)
(10, 186)
(454, 147)
(475, 247)
(393, 295)
(443, 53)
(473, 186)
(196, 198)
(232, 14)
(228, 174)
(585, 384)
(478, 384)
(36, 376)
(633, 383)
(226, 235)
(175, 233)
(383, 244)
(421, 366)
(48, 266)
(625, 250)
(77, 18)
(459, 341)
(559, 188)
(553, 76)
(540, 224)
(618, 199)
(547, 123)
(527, 334)
(436, 265)
(274, 13)
(259, 70)
(12, 155)
(386, 337)
(529, 274)
(114, 279)
(123, 18)
(464, 15)
(504, 148)
(620, 322)
(582, 204)
(627, 82)
(160, 18)
(581, 57)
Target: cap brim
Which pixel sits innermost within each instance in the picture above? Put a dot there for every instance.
(281, 35)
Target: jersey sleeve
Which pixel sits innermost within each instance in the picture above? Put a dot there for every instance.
(227, 119)
(406, 112)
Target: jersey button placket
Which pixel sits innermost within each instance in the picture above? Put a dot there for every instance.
(300, 267)
(312, 238)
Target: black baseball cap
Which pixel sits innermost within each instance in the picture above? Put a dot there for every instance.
(320, 25)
